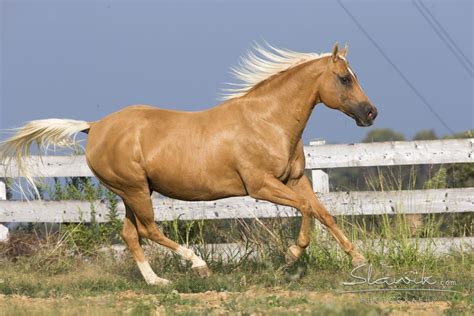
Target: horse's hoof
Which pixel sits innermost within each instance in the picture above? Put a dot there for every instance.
(159, 281)
(292, 255)
(358, 261)
(202, 271)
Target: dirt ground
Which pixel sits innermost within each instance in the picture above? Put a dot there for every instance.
(252, 302)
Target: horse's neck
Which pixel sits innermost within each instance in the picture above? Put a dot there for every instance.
(287, 100)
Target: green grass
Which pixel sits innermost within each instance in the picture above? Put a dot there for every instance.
(54, 271)
(49, 272)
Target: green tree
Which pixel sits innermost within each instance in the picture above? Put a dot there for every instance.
(382, 135)
(425, 134)
(425, 172)
(460, 175)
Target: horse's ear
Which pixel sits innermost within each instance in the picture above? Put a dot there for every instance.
(343, 52)
(335, 50)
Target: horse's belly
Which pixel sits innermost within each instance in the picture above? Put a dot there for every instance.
(197, 186)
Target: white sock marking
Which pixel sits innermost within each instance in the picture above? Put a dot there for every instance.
(188, 254)
(148, 274)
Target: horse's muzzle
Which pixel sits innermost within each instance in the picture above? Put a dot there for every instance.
(365, 114)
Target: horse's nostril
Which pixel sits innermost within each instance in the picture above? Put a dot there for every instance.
(370, 114)
(374, 113)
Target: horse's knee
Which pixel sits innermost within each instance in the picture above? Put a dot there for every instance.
(305, 207)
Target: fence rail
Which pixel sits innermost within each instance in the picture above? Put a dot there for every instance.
(390, 153)
(339, 203)
(318, 156)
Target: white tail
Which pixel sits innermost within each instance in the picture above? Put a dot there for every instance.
(46, 133)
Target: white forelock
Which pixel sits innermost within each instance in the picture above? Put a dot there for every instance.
(262, 63)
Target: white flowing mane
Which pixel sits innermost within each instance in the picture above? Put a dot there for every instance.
(262, 63)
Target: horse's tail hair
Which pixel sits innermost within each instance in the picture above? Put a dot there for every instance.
(46, 133)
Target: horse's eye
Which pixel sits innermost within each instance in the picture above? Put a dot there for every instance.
(346, 80)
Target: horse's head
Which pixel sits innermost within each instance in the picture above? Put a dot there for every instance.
(339, 89)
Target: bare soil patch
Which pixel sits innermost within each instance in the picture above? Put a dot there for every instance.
(254, 301)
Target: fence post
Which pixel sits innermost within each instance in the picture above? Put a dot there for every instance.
(3, 191)
(320, 178)
(3, 229)
(320, 185)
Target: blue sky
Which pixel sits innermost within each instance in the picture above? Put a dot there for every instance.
(85, 59)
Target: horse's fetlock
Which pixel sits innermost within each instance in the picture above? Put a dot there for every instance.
(302, 242)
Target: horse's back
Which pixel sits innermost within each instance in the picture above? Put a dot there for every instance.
(187, 155)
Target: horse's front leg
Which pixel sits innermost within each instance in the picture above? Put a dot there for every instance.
(304, 235)
(304, 188)
(273, 190)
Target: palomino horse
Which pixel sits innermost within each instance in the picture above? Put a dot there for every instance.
(248, 145)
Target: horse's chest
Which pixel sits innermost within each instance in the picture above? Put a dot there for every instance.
(292, 169)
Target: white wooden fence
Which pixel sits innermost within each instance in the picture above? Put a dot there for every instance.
(318, 156)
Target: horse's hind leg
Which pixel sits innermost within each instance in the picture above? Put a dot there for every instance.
(142, 208)
(130, 236)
